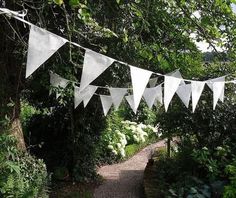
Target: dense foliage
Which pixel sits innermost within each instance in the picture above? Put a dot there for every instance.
(122, 138)
(21, 175)
(202, 163)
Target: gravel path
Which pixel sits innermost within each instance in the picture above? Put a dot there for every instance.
(124, 180)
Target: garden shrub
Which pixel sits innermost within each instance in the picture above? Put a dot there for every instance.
(21, 175)
(230, 189)
(121, 136)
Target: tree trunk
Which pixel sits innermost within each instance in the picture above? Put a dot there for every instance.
(16, 131)
(11, 67)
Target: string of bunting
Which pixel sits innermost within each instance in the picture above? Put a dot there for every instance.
(43, 44)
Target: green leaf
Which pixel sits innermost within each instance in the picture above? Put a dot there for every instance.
(58, 2)
(74, 3)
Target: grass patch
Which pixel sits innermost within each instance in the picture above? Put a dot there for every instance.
(132, 149)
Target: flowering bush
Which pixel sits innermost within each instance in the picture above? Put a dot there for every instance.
(129, 133)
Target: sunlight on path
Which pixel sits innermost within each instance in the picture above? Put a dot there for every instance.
(124, 180)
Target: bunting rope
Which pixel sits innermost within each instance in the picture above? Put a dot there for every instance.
(19, 15)
(43, 44)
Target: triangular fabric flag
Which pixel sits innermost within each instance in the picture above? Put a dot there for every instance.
(150, 95)
(130, 100)
(210, 85)
(153, 82)
(58, 81)
(42, 45)
(218, 92)
(159, 95)
(176, 74)
(171, 85)
(84, 95)
(117, 95)
(78, 96)
(94, 65)
(91, 89)
(140, 78)
(184, 93)
(197, 88)
(106, 103)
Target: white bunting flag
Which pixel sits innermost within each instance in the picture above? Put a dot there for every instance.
(42, 45)
(218, 92)
(84, 95)
(171, 85)
(90, 92)
(210, 85)
(176, 74)
(197, 88)
(117, 95)
(150, 95)
(78, 96)
(184, 93)
(159, 95)
(153, 82)
(94, 65)
(130, 100)
(140, 78)
(106, 103)
(58, 81)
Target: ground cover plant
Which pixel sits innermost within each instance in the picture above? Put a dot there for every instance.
(21, 175)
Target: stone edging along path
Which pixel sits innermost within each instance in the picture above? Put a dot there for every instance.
(125, 180)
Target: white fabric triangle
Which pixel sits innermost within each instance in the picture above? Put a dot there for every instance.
(171, 85)
(140, 78)
(78, 96)
(58, 81)
(153, 82)
(150, 95)
(130, 100)
(117, 95)
(184, 93)
(218, 92)
(94, 65)
(84, 95)
(197, 88)
(42, 45)
(176, 74)
(106, 103)
(210, 85)
(159, 95)
(91, 89)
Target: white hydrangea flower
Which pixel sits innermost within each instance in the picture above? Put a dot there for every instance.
(110, 147)
(118, 145)
(123, 142)
(136, 139)
(133, 127)
(114, 152)
(142, 138)
(142, 126)
(122, 152)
